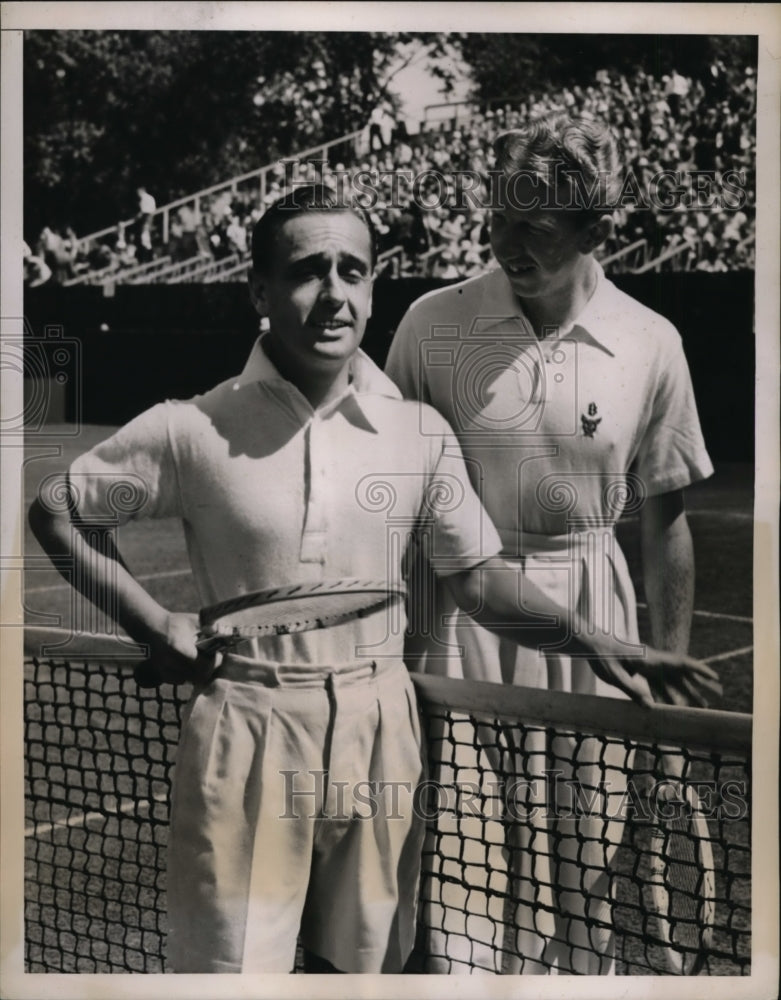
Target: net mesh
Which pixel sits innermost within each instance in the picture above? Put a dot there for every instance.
(545, 846)
(99, 757)
(541, 840)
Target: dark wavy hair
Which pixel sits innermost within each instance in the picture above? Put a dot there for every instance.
(299, 201)
(576, 159)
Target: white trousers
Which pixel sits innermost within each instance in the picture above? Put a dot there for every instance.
(279, 824)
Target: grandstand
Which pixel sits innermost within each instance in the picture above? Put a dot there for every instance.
(421, 190)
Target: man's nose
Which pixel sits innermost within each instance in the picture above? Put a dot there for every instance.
(332, 286)
(508, 242)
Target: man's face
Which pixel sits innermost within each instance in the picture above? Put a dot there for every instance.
(317, 294)
(539, 249)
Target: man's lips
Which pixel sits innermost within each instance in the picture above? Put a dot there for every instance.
(517, 267)
(326, 326)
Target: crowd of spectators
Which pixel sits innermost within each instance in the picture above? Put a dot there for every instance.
(672, 126)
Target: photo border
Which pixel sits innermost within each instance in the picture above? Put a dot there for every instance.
(761, 19)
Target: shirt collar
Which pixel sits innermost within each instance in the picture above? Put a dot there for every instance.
(366, 380)
(595, 324)
(597, 321)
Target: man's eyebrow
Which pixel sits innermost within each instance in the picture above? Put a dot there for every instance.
(313, 259)
(352, 258)
(545, 221)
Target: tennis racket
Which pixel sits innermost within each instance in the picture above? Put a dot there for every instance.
(681, 890)
(283, 611)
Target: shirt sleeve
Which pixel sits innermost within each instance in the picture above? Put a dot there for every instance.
(404, 365)
(460, 533)
(671, 453)
(130, 475)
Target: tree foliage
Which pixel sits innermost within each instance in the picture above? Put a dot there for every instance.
(520, 65)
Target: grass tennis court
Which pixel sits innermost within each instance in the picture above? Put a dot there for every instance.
(720, 516)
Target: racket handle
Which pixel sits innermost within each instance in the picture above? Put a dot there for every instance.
(212, 643)
(147, 675)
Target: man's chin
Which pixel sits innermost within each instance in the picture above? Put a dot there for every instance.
(331, 355)
(524, 282)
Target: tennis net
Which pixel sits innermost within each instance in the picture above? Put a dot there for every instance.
(552, 820)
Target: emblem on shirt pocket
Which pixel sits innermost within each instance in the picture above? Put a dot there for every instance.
(591, 422)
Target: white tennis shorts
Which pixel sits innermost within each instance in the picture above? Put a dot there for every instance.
(281, 822)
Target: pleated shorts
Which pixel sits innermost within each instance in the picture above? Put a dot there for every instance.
(293, 814)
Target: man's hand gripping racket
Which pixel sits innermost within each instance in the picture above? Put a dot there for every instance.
(195, 644)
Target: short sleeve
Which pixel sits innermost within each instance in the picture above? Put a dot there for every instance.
(130, 475)
(404, 364)
(671, 453)
(461, 534)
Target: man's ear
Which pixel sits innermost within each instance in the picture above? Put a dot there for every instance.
(595, 233)
(257, 292)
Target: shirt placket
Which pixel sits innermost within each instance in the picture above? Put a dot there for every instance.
(314, 540)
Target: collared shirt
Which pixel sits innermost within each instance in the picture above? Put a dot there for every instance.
(273, 493)
(561, 432)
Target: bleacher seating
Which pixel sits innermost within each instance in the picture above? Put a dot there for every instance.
(205, 236)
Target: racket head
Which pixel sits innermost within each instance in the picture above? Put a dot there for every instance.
(296, 608)
(682, 887)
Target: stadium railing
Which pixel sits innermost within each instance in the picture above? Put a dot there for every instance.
(253, 179)
(209, 269)
(233, 273)
(391, 262)
(145, 270)
(121, 275)
(672, 255)
(627, 258)
(92, 277)
(172, 271)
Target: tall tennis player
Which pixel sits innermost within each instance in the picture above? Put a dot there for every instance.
(573, 405)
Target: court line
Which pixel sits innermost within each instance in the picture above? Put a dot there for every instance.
(727, 515)
(728, 655)
(162, 575)
(714, 614)
(82, 819)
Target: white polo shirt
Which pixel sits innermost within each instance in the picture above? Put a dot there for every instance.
(563, 432)
(274, 493)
